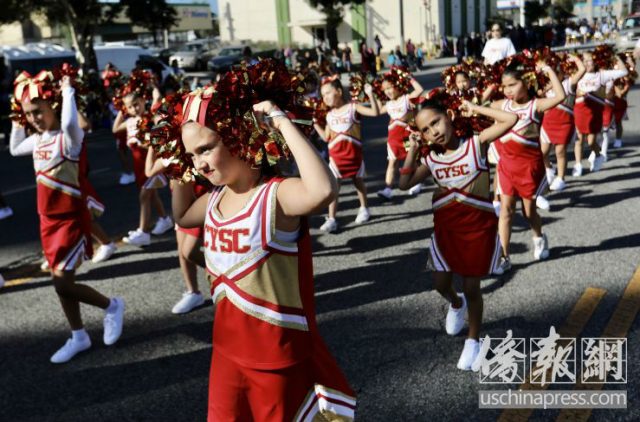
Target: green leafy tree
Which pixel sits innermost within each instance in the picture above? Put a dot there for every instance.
(154, 15)
(334, 12)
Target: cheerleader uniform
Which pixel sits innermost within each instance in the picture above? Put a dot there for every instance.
(65, 226)
(94, 203)
(589, 107)
(520, 170)
(139, 158)
(558, 125)
(345, 147)
(619, 109)
(465, 227)
(401, 113)
(269, 361)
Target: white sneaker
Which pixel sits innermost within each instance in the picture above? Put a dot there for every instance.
(189, 301)
(617, 143)
(540, 247)
(127, 178)
(598, 162)
(577, 170)
(5, 212)
(363, 215)
(104, 252)
(386, 193)
(113, 323)
(415, 190)
(503, 266)
(542, 203)
(138, 238)
(496, 208)
(557, 185)
(162, 226)
(469, 354)
(45, 266)
(591, 159)
(455, 317)
(70, 349)
(330, 225)
(551, 174)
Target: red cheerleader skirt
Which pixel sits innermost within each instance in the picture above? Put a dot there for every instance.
(588, 115)
(558, 127)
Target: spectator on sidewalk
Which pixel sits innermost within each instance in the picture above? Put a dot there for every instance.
(497, 48)
(460, 48)
(420, 56)
(392, 60)
(346, 58)
(378, 45)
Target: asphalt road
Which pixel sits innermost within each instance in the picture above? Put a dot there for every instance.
(376, 305)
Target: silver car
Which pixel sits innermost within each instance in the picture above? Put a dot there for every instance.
(629, 33)
(192, 55)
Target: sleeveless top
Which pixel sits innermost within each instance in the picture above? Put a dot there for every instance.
(344, 127)
(569, 101)
(523, 140)
(262, 283)
(462, 178)
(398, 110)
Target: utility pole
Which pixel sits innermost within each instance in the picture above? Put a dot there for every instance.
(402, 25)
(522, 19)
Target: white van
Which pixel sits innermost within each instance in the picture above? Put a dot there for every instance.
(124, 57)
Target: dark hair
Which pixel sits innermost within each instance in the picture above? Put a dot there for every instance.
(336, 84)
(461, 72)
(431, 104)
(516, 71)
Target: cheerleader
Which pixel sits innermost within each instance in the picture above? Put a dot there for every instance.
(521, 171)
(269, 362)
(400, 109)
(464, 89)
(65, 227)
(621, 88)
(136, 107)
(464, 239)
(558, 126)
(342, 134)
(589, 109)
(189, 241)
(607, 121)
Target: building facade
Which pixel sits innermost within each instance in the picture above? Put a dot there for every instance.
(295, 22)
(191, 18)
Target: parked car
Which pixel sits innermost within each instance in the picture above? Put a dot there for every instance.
(193, 55)
(226, 59)
(125, 57)
(629, 33)
(34, 57)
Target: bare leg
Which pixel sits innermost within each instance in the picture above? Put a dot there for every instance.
(71, 294)
(186, 244)
(507, 209)
(530, 211)
(443, 283)
(98, 233)
(591, 140)
(496, 193)
(333, 207)
(471, 287)
(561, 158)
(392, 169)
(545, 148)
(146, 198)
(577, 149)
(157, 204)
(361, 188)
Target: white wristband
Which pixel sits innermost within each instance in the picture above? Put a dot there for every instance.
(276, 113)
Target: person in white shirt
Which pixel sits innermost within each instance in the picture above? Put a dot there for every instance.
(497, 48)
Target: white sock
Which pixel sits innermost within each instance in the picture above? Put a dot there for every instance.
(79, 335)
(113, 305)
(605, 142)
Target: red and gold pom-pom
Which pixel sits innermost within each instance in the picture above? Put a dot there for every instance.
(230, 112)
(45, 85)
(140, 82)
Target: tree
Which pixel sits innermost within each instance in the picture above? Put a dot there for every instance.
(334, 12)
(534, 10)
(80, 16)
(153, 15)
